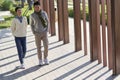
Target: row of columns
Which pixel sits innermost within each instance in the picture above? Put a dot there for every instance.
(113, 31)
(95, 39)
(95, 33)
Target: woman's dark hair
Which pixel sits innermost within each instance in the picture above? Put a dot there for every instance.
(17, 8)
(37, 3)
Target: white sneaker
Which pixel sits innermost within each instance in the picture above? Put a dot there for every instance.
(40, 62)
(46, 61)
(21, 67)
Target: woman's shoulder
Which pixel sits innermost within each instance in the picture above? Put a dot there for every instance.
(14, 19)
(24, 17)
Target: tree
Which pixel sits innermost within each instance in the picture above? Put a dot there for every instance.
(5, 4)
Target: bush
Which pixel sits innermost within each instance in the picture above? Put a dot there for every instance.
(6, 4)
(7, 22)
(12, 10)
(71, 13)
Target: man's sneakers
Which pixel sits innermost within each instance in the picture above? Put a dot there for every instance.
(21, 66)
(46, 62)
(40, 62)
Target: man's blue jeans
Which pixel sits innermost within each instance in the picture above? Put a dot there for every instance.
(21, 47)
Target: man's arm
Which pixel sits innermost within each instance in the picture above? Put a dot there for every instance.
(48, 23)
(32, 24)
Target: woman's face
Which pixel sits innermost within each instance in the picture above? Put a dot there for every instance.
(19, 12)
(37, 8)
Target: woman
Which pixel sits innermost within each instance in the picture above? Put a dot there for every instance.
(19, 31)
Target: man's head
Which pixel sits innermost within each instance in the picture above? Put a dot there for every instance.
(37, 6)
(18, 11)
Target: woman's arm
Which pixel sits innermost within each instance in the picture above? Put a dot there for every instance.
(13, 26)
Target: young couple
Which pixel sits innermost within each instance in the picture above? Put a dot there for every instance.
(39, 25)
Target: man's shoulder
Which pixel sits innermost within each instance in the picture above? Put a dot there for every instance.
(44, 12)
(32, 15)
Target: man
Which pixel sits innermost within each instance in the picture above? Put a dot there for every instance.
(19, 31)
(39, 26)
(30, 3)
(22, 3)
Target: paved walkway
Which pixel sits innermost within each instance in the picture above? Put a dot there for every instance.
(5, 13)
(65, 64)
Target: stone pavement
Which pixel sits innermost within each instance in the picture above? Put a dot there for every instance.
(65, 64)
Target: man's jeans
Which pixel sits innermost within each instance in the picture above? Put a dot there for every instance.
(21, 47)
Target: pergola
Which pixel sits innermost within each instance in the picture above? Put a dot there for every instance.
(104, 30)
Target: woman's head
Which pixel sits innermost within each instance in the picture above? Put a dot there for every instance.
(18, 11)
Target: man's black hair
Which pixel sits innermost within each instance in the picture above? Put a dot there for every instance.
(37, 3)
(17, 8)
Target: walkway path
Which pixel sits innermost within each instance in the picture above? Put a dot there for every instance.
(5, 13)
(65, 64)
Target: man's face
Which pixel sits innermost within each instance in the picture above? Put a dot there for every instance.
(19, 12)
(37, 8)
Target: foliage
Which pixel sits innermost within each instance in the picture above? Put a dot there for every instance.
(8, 19)
(7, 22)
(5, 4)
(25, 11)
(71, 13)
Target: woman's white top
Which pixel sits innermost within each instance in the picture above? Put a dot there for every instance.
(19, 29)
